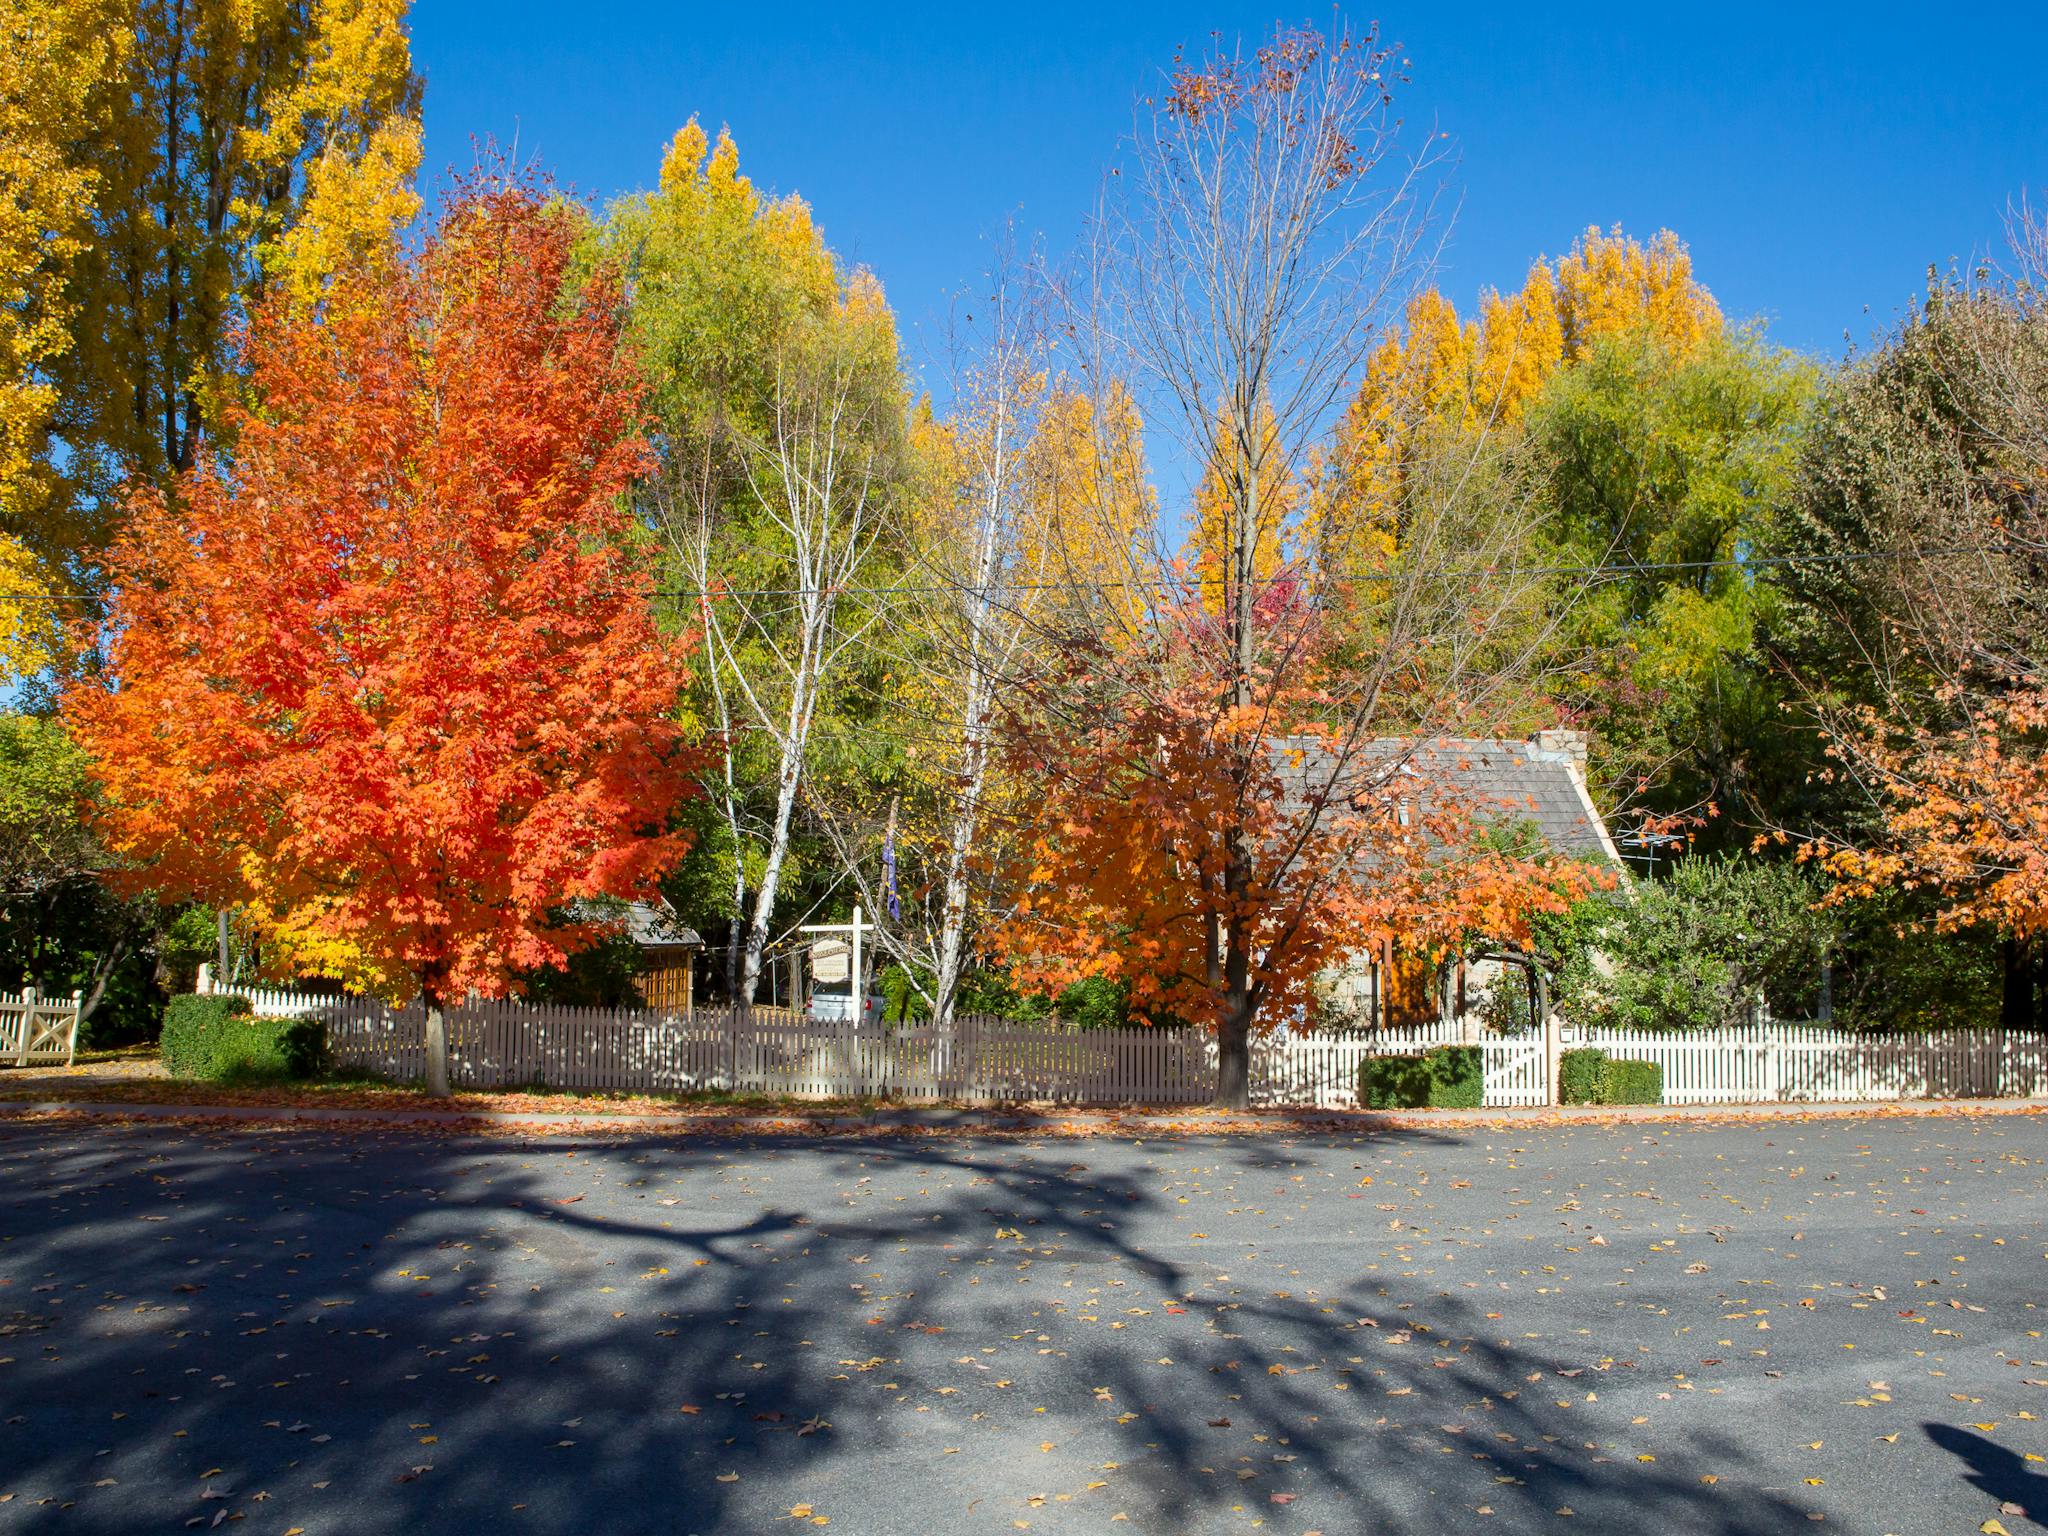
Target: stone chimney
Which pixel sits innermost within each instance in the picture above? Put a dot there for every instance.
(1564, 742)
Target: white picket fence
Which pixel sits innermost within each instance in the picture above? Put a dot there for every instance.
(510, 1043)
(36, 1030)
(1774, 1062)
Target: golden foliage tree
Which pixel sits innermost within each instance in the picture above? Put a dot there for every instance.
(239, 144)
(1232, 455)
(1091, 510)
(1437, 372)
(60, 54)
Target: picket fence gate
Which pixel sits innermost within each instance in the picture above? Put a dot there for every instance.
(37, 1030)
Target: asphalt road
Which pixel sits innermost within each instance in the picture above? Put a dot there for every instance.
(1660, 1329)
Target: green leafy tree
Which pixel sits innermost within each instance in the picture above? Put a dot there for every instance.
(1913, 591)
(773, 375)
(1695, 948)
(1671, 462)
(61, 930)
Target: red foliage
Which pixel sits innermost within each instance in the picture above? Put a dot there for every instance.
(388, 675)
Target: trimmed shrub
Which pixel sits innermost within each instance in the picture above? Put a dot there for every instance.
(1457, 1077)
(1445, 1077)
(218, 1039)
(1632, 1082)
(1393, 1082)
(1579, 1075)
(191, 1024)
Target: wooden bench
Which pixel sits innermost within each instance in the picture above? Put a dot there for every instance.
(36, 1031)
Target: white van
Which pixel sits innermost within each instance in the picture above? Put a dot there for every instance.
(833, 1004)
(831, 1000)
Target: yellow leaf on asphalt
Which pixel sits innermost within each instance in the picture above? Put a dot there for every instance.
(1993, 1528)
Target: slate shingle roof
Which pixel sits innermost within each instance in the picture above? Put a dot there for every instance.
(1508, 781)
(649, 927)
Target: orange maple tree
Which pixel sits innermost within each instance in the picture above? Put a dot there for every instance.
(1963, 808)
(1154, 780)
(387, 676)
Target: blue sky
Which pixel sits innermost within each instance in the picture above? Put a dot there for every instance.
(1816, 158)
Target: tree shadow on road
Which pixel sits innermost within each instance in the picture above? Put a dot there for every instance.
(393, 1330)
(1995, 1471)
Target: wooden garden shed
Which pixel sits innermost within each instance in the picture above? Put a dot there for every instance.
(667, 970)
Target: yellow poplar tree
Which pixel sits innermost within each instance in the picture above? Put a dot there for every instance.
(1436, 372)
(1209, 543)
(239, 144)
(1609, 283)
(1092, 509)
(60, 53)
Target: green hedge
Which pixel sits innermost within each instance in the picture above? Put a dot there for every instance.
(1588, 1076)
(1632, 1082)
(218, 1039)
(1446, 1077)
(1579, 1073)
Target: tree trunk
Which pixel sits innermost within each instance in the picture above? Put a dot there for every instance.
(431, 984)
(771, 873)
(953, 920)
(794, 742)
(117, 950)
(1234, 1057)
(1234, 1027)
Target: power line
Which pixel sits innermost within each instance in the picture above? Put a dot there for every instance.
(1617, 569)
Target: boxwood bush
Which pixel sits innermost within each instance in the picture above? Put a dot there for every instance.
(217, 1039)
(1588, 1076)
(1445, 1077)
(1579, 1075)
(1632, 1082)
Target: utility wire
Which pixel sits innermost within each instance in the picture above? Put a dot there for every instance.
(1619, 569)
